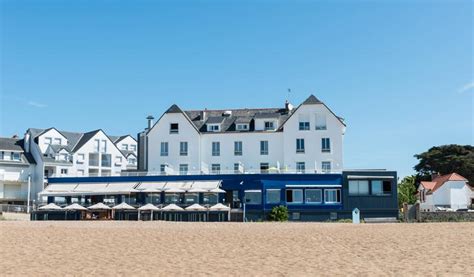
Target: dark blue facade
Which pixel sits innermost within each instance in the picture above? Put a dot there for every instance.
(332, 189)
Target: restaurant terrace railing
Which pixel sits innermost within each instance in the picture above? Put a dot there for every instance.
(8, 208)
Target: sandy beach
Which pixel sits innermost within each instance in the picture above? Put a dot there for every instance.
(233, 249)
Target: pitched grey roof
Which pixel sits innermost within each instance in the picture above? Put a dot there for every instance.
(11, 144)
(215, 120)
(228, 121)
(16, 145)
(56, 148)
(237, 116)
(127, 153)
(75, 140)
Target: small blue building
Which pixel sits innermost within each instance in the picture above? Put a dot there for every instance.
(309, 197)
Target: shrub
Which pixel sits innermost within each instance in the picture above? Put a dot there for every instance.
(279, 213)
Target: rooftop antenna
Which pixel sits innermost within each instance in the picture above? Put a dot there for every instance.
(289, 92)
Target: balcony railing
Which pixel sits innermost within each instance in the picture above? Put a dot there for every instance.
(189, 173)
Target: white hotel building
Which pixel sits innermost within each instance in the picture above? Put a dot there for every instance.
(305, 139)
(44, 153)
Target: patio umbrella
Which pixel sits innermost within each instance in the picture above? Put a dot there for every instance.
(219, 207)
(172, 207)
(123, 206)
(99, 206)
(148, 207)
(196, 207)
(50, 207)
(75, 207)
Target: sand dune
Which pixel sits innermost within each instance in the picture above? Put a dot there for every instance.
(234, 249)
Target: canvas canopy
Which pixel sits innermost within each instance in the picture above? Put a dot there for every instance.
(50, 207)
(89, 189)
(99, 206)
(195, 207)
(123, 206)
(172, 207)
(75, 207)
(149, 207)
(219, 207)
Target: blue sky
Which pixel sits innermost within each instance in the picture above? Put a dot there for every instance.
(399, 72)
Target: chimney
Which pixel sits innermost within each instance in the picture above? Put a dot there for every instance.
(434, 175)
(288, 106)
(150, 121)
(15, 137)
(203, 115)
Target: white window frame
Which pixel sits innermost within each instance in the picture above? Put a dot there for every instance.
(213, 127)
(300, 145)
(183, 148)
(293, 196)
(264, 147)
(331, 202)
(304, 126)
(238, 148)
(324, 167)
(242, 127)
(298, 167)
(270, 127)
(164, 149)
(215, 148)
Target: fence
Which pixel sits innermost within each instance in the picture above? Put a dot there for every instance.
(8, 208)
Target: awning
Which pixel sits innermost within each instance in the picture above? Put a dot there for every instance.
(151, 186)
(58, 188)
(75, 189)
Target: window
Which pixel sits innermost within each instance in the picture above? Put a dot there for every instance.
(63, 170)
(125, 147)
(118, 160)
(93, 159)
(358, 187)
(264, 167)
(174, 128)
(64, 157)
(326, 167)
(332, 196)
(237, 168)
(80, 158)
(381, 187)
(172, 198)
(237, 148)
(273, 196)
(264, 147)
(209, 198)
(300, 167)
(132, 161)
(104, 146)
(164, 149)
(253, 197)
(325, 145)
(183, 148)
(242, 127)
(163, 169)
(216, 148)
(15, 156)
(320, 122)
(299, 145)
(133, 147)
(215, 168)
(48, 141)
(213, 128)
(106, 160)
(313, 196)
(96, 145)
(183, 169)
(294, 196)
(190, 198)
(80, 172)
(2, 155)
(269, 125)
(304, 126)
(57, 141)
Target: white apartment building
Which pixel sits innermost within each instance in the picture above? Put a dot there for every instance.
(305, 139)
(128, 146)
(60, 153)
(16, 170)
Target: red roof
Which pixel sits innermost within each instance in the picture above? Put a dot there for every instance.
(437, 182)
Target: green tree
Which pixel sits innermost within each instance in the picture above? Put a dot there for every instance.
(407, 191)
(446, 159)
(279, 213)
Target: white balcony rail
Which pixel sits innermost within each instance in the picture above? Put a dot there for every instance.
(202, 172)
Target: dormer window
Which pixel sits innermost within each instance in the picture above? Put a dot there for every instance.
(242, 127)
(174, 128)
(213, 127)
(269, 125)
(15, 156)
(48, 141)
(57, 141)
